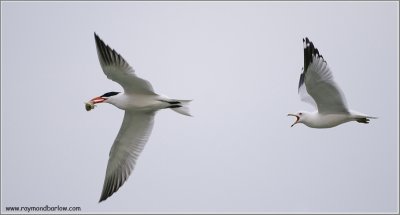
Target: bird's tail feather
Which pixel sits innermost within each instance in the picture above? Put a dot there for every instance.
(180, 106)
(361, 117)
(365, 119)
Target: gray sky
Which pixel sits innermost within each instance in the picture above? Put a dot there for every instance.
(240, 63)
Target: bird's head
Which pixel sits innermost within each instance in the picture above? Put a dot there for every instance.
(300, 116)
(104, 97)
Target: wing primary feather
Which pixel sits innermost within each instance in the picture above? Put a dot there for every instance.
(114, 57)
(307, 53)
(103, 52)
(107, 53)
(117, 69)
(99, 48)
(114, 186)
(301, 81)
(104, 193)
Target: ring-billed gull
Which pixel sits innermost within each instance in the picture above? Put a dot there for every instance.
(317, 87)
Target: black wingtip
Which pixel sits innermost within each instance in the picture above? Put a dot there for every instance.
(105, 195)
(309, 52)
(96, 37)
(102, 199)
(104, 51)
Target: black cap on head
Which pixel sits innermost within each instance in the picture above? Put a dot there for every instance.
(109, 94)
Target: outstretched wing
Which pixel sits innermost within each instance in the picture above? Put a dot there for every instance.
(318, 81)
(118, 70)
(304, 96)
(129, 143)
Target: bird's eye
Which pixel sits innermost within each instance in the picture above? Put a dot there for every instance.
(300, 114)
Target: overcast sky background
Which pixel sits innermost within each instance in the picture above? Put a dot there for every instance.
(240, 63)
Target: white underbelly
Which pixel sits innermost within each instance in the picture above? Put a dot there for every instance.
(139, 103)
(329, 120)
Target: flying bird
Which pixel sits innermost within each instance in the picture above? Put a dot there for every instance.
(140, 103)
(318, 87)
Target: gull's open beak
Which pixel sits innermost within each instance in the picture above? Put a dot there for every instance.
(297, 119)
(98, 99)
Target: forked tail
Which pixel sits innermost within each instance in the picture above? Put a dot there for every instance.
(180, 106)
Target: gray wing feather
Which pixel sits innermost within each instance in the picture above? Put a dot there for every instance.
(117, 69)
(304, 96)
(129, 143)
(319, 82)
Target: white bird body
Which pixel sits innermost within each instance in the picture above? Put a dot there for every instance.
(140, 103)
(318, 120)
(318, 88)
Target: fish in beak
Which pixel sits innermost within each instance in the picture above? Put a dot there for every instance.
(91, 104)
(297, 119)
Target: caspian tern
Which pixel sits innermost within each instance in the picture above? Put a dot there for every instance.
(317, 87)
(140, 103)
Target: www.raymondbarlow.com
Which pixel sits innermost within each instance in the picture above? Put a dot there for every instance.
(45, 208)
